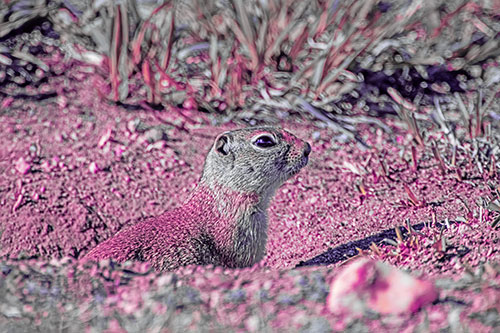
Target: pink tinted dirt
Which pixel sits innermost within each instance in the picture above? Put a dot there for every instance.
(75, 173)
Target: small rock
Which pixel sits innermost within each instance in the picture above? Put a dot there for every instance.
(133, 125)
(157, 145)
(252, 324)
(153, 135)
(94, 168)
(10, 311)
(189, 104)
(119, 150)
(315, 135)
(105, 138)
(22, 166)
(62, 101)
(367, 285)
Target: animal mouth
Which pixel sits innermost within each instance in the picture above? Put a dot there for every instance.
(293, 166)
(303, 162)
(294, 169)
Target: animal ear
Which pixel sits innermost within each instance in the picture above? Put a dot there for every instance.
(222, 145)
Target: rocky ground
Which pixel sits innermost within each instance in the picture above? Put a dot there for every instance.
(392, 227)
(76, 169)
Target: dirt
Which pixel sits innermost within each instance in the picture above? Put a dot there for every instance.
(75, 169)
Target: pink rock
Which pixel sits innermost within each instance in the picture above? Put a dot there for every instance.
(105, 138)
(189, 104)
(62, 101)
(46, 166)
(373, 285)
(54, 161)
(119, 151)
(22, 166)
(93, 167)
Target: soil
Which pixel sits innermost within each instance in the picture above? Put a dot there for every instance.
(75, 169)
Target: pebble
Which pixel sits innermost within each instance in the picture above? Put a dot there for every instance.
(367, 285)
(22, 166)
(94, 168)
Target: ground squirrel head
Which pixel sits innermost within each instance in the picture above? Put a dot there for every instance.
(254, 160)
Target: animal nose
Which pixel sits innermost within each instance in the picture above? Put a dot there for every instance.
(307, 150)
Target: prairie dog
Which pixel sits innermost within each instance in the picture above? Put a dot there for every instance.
(224, 220)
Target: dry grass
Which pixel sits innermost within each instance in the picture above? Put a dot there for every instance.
(278, 55)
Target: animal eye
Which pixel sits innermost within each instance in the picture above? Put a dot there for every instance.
(264, 141)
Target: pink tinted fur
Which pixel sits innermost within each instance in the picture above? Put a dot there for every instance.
(291, 139)
(160, 239)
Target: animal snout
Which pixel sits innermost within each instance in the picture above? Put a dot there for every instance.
(307, 149)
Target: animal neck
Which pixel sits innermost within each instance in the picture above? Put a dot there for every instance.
(224, 203)
(237, 221)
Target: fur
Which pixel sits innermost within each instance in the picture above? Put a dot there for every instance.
(224, 221)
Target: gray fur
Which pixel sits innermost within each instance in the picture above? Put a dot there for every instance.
(235, 162)
(224, 221)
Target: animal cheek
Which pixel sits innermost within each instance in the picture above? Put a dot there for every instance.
(279, 164)
(294, 155)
